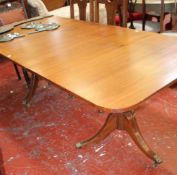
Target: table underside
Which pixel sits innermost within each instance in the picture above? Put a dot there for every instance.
(115, 121)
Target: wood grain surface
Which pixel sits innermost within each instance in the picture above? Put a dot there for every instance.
(112, 67)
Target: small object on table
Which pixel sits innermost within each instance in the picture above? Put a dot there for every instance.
(7, 28)
(31, 25)
(10, 36)
(39, 27)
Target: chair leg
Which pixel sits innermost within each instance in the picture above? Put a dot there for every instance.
(162, 12)
(17, 71)
(144, 15)
(119, 9)
(96, 11)
(131, 10)
(124, 12)
(92, 10)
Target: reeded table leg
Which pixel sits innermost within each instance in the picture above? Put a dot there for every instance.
(32, 88)
(131, 126)
(123, 121)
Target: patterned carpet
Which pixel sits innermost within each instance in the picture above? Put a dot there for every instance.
(40, 140)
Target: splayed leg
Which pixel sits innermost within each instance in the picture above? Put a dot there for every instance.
(123, 121)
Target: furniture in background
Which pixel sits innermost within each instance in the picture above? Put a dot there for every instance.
(173, 31)
(82, 5)
(174, 22)
(112, 8)
(38, 8)
(54, 4)
(135, 15)
(67, 11)
(154, 9)
(119, 11)
(160, 16)
(13, 11)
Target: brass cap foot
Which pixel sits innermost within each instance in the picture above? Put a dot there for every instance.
(157, 161)
(79, 145)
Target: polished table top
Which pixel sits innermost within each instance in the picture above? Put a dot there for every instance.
(109, 66)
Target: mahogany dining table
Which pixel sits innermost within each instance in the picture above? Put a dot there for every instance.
(113, 68)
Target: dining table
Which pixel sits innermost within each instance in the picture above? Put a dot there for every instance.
(112, 68)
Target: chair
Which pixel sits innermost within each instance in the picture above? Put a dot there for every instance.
(146, 23)
(113, 9)
(76, 9)
(12, 11)
(53, 4)
(90, 11)
(173, 31)
(36, 8)
(174, 22)
(160, 16)
(82, 5)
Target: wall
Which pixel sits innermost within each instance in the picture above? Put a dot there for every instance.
(54, 4)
